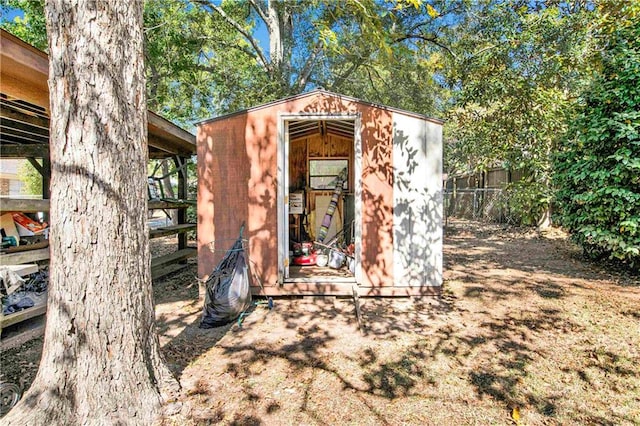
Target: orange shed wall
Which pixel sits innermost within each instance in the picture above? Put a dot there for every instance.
(237, 169)
(223, 172)
(377, 197)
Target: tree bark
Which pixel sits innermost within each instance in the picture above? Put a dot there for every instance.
(101, 362)
(280, 29)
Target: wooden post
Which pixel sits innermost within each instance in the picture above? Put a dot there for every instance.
(45, 172)
(182, 195)
(46, 182)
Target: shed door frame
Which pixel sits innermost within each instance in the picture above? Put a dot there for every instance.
(283, 186)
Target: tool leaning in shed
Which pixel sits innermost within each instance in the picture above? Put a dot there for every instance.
(228, 291)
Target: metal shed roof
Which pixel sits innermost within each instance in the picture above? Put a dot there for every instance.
(316, 92)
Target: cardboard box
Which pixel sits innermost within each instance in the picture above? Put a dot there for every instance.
(28, 227)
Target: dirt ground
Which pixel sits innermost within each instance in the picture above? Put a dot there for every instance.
(525, 332)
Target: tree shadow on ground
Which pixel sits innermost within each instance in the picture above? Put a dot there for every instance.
(496, 251)
(492, 332)
(532, 282)
(310, 350)
(178, 315)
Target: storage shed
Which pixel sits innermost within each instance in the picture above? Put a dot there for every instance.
(276, 167)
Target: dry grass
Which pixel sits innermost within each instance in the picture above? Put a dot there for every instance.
(523, 323)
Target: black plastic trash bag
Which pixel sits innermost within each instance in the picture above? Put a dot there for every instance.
(228, 292)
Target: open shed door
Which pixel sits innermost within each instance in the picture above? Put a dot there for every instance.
(417, 202)
(335, 147)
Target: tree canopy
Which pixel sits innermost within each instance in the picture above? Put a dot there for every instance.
(509, 76)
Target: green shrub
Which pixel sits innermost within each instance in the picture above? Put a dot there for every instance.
(527, 201)
(598, 168)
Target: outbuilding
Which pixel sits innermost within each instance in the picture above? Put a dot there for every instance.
(284, 168)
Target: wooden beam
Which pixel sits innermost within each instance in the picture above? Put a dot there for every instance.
(306, 134)
(46, 181)
(23, 337)
(24, 54)
(25, 314)
(41, 150)
(167, 205)
(174, 257)
(21, 133)
(166, 270)
(162, 145)
(182, 194)
(340, 133)
(9, 111)
(163, 128)
(36, 165)
(24, 151)
(46, 184)
(319, 288)
(24, 71)
(19, 89)
(26, 107)
(155, 154)
(26, 130)
(23, 205)
(172, 230)
(13, 139)
(22, 270)
(21, 257)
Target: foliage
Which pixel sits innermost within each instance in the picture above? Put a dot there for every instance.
(406, 71)
(31, 27)
(171, 35)
(527, 200)
(515, 77)
(516, 70)
(31, 178)
(175, 34)
(379, 51)
(195, 64)
(206, 58)
(598, 168)
(507, 75)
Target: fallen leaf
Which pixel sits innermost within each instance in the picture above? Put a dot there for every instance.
(515, 415)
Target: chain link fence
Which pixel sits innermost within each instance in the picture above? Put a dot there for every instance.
(484, 204)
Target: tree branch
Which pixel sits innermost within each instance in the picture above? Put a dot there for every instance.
(260, 9)
(342, 77)
(484, 49)
(373, 85)
(430, 39)
(254, 43)
(308, 66)
(244, 49)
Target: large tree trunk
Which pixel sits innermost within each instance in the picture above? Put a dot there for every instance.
(101, 362)
(280, 29)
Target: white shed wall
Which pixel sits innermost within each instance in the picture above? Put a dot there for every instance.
(417, 193)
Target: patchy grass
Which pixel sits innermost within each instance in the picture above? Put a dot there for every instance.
(522, 324)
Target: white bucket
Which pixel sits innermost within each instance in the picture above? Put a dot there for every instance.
(336, 259)
(322, 260)
(351, 263)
